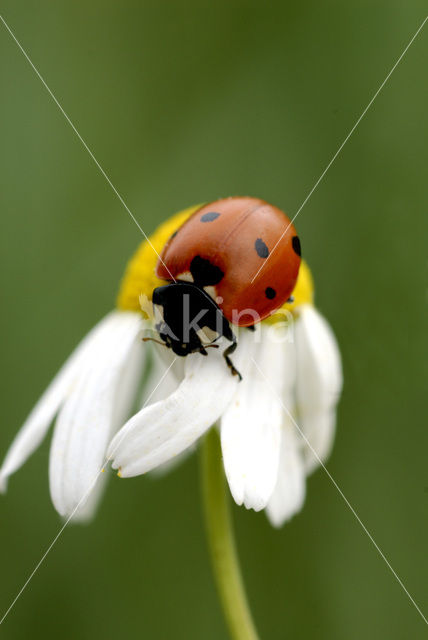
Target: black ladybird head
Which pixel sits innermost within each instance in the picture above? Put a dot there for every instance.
(186, 309)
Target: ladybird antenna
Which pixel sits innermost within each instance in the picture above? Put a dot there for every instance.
(147, 339)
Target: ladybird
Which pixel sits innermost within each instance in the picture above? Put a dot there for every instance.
(219, 272)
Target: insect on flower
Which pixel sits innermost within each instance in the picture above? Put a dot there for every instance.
(212, 261)
(201, 294)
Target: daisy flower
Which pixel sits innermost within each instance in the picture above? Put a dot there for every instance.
(291, 375)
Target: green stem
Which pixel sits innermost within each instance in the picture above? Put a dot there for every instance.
(222, 542)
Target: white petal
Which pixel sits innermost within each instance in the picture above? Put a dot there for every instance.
(95, 408)
(319, 382)
(153, 392)
(162, 367)
(320, 429)
(163, 430)
(125, 395)
(250, 426)
(37, 424)
(289, 494)
(172, 464)
(89, 505)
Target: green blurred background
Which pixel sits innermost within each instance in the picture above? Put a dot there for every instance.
(182, 103)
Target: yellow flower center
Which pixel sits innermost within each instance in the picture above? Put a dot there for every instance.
(140, 277)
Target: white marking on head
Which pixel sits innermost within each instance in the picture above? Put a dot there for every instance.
(211, 292)
(186, 276)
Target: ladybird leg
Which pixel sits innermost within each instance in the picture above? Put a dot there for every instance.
(229, 335)
(226, 353)
(203, 351)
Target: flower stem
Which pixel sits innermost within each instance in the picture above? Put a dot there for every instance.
(222, 542)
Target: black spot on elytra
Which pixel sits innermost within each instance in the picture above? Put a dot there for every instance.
(261, 248)
(210, 216)
(295, 242)
(270, 293)
(204, 272)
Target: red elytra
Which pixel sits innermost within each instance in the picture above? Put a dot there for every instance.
(222, 247)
